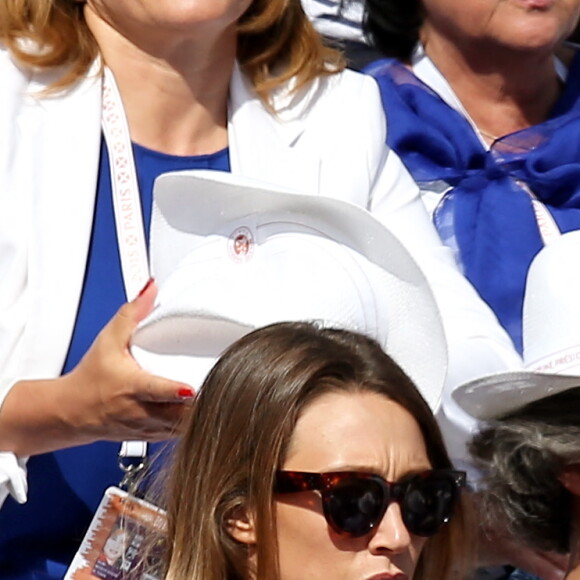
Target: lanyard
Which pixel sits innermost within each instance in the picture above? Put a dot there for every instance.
(125, 189)
(129, 226)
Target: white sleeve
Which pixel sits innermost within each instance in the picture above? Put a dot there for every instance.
(13, 479)
(477, 344)
(13, 306)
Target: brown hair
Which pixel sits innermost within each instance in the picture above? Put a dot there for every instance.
(239, 432)
(276, 41)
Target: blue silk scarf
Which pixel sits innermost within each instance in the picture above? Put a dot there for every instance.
(484, 214)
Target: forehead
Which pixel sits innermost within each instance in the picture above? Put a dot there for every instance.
(365, 431)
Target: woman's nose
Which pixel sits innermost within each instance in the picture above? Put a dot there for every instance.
(390, 534)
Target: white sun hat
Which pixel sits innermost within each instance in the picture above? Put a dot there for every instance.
(551, 337)
(230, 255)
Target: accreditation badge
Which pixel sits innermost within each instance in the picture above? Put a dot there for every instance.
(126, 540)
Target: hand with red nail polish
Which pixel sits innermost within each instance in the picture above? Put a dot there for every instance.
(107, 396)
(186, 393)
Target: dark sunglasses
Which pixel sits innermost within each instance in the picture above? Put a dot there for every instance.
(354, 503)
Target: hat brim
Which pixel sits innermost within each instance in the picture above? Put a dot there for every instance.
(496, 395)
(191, 205)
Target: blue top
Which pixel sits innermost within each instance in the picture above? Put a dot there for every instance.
(39, 539)
(486, 215)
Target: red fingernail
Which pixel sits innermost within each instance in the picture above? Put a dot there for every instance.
(144, 289)
(186, 393)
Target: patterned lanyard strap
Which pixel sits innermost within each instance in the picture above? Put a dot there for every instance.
(130, 231)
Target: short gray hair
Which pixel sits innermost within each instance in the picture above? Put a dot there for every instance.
(522, 455)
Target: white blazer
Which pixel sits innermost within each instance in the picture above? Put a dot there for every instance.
(329, 139)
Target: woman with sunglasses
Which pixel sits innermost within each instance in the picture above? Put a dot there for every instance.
(310, 454)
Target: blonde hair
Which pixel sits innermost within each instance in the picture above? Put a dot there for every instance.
(276, 42)
(238, 435)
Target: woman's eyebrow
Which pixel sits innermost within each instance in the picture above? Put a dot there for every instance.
(372, 469)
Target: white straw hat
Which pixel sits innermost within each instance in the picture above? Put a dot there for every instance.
(551, 336)
(230, 255)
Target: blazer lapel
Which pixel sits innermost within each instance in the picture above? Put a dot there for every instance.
(263, 144)
(63, 135)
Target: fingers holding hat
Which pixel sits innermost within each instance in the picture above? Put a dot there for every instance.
(158, 390)
(109, 396)
(131, 313)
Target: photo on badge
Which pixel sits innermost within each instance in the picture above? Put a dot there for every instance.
(125, 541)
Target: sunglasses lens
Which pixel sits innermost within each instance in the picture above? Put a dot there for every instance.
(354, 506)
(428, 503)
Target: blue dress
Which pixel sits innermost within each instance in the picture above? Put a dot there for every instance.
(486, 214)
(39, 539)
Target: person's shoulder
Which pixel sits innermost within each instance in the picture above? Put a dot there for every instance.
(348, 90)
(350, 102)
(381, 66)
(342, 93)
(8, 65)
(349, 82)
(14, 78)
(15, 74)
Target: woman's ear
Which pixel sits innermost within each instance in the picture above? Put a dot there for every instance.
(570, 478)
(240, 525)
